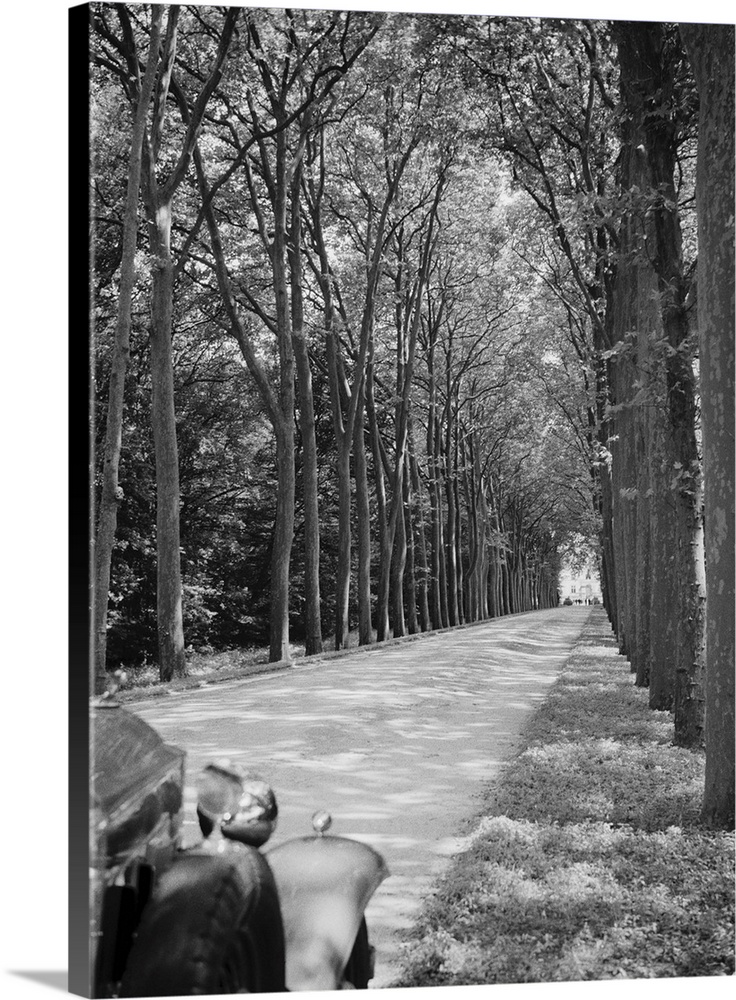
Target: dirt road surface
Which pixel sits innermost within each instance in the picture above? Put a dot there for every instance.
(395, 742)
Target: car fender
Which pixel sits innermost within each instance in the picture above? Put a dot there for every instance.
(324, 885)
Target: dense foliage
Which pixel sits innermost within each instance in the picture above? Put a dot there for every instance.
(485, 342)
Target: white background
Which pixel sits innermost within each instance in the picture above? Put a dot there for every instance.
(33, 373)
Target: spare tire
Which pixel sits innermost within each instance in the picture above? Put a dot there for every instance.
(213, 926)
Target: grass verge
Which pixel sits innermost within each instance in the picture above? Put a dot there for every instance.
(589, 861)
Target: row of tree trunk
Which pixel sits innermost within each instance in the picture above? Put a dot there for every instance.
(663, 450)
(655, 496)
(424, 559)
(144, 175)
(656, 482)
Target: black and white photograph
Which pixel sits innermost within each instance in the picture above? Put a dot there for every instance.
(410, 409)
(401, 500)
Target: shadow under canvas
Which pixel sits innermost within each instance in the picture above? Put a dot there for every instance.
(53, 979)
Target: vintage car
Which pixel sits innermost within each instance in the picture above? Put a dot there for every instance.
(220, 917)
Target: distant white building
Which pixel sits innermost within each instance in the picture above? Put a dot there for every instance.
(582, 585)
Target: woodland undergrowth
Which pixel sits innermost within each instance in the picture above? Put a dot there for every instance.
(588, 861)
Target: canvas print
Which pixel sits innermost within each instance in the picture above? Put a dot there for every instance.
(412, 343)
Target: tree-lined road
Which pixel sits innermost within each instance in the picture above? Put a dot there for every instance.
(396, 742)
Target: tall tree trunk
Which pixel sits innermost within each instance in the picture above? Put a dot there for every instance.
(159, 197)
(283, 427)
(472, 598)
(348, 404)
(363, 528)
(482, 530)
(495, 573)
(459, 570)
(283, 539)
(711, 51)
(398, 565)
(313, 642)
(284, 525)
(282, 422)
(384, 542)
(439, 550)
(341, 431)
(644, 462)
(608, 567)
(163, 419)
(680, 411)
(421, 548)
(450, 547)
(664, 593)
(169, 617)
(648, 68)
(307, 427)
(633, 319)
(438, 606)
(407, 332)
(110, 498)
(398, 518)
(624, 540)
(344, 541)
(507, 607)
(449, 479)
(602, 342)
(410, 581)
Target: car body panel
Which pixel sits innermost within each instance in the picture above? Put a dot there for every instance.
(324, 885)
